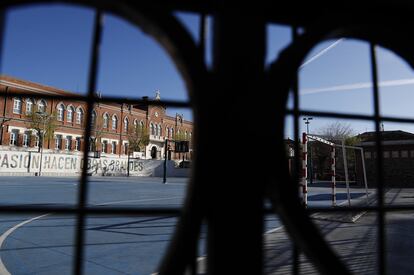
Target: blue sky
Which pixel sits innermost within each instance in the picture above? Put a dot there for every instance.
(51, 45)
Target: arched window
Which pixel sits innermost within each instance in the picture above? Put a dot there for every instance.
(126, 124)
(186, 135)
(60, 112)
(17, 105)
(69, 114)
(41, 106)
(135, 123)
(79, 116)
(152, 129)
(167, 132)
(105, 120)
(141, 123)
(159, 130)
(114, 122)
(29, 106)
(93, 118)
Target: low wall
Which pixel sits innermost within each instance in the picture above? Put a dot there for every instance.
(25, 163)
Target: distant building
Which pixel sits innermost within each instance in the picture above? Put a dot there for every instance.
(116, 122)
(398, 158)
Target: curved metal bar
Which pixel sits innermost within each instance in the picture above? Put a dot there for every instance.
(177, 42)
(281, 77)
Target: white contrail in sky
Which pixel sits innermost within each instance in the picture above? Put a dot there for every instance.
(322, 52)
(361, 85)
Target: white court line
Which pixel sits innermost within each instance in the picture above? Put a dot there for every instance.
(142, 200)
(3, 269)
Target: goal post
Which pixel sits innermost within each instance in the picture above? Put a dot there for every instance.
(303, 187)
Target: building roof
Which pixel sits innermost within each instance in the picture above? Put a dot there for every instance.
(387, 136)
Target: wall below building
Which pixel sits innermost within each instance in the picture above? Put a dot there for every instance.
(32, 163)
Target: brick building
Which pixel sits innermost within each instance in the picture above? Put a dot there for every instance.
(115, 122)
(398, 158)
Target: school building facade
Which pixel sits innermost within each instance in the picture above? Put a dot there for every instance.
(113, 121)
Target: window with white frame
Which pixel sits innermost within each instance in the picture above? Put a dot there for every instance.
(126, 124)
(26, 139)
(58, 142)
(60, 112)
(79, 116)
(77, 144)
(17, 105)
(41, 106)
(152, 129)
(114, 122)
(37, 140)
(14, 135)
(126, 148)
(167, 132)
(113, 149)
(105, 120)
(68, 143)
(159, 130)
(105, 146)
(29, 106)
(69, 114)
(93, 118)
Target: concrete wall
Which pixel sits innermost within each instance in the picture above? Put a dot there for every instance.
(60, 164)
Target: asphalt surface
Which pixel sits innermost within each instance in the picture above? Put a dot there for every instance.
(114, 244)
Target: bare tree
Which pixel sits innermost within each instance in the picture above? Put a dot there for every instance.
(138, 138)
(43, 124)
(337, 131)
(96, 132)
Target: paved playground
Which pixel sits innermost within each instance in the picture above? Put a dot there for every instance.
(44, 243)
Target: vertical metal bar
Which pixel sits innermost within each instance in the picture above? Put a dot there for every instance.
(164, 180)
(364, 172)
(333, 176)
(2, 28)
(295, 90)
(82, 191)
(380, 181)
(346, 172)
(202, 34)
(304, 180)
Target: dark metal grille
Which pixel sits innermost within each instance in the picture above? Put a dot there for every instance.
(199, 205)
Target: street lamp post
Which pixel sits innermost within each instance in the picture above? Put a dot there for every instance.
(307, 122)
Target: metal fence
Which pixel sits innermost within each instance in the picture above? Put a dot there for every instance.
(219, 96)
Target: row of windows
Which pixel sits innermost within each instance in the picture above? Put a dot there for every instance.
(17, 106)
(156, 130)
(41, 107)
(391, 154)
(14, 135)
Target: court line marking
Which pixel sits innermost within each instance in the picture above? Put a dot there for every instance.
(3, 237)
(3, 269)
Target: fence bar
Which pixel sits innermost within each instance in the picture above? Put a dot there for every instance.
(380, 181)
(82, 194)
